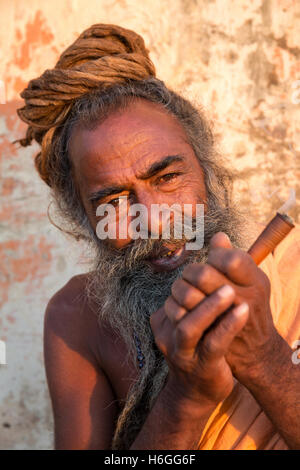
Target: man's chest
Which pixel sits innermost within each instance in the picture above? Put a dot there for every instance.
(121, 370)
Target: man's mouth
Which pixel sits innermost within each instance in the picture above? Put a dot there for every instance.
(168, 258)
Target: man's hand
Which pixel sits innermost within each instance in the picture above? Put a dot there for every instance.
(194, 331)
(216, 322)
(254, 345)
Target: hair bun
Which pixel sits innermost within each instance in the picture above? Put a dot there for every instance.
(101, 56)
(102, 40)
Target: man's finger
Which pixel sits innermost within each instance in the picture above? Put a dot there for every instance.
(162, 329)
(191, 328)
(186, 294)
(157, 319)
(235, 264)
(220, 239)
(174, 311)
(217, 341)
(203, 277)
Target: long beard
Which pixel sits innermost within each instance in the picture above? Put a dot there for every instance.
(127, 291)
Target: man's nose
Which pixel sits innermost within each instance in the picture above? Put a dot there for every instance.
(153, 217)
(141, 218)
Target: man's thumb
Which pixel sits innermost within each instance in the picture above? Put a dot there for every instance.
(220, 240)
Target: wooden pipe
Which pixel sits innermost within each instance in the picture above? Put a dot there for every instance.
(276, 230)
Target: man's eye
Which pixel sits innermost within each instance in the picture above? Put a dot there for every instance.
(115, 202)
(168, 177)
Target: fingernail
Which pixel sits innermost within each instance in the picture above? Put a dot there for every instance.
(226, 291)
(241, 309)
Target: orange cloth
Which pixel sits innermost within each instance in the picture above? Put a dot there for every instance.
(239, 423)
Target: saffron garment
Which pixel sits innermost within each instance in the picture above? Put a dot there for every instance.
(239, 423)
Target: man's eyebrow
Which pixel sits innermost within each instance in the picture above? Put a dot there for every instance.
(159, 166)
(106, 192)
(151, 171)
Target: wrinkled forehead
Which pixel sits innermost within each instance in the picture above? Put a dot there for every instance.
(128, 139)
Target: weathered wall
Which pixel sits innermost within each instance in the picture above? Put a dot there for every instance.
(241, 60)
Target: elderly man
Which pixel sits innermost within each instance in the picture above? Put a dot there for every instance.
(157, 346)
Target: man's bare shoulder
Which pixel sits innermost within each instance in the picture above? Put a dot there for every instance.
(72, 330)
(71, 317)
(82, 396)
(71, 294)
(71, 299)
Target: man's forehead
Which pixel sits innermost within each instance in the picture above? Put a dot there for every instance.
(132, 138)
(139, 116)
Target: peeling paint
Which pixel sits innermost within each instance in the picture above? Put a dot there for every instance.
(37, 34)
(237, 59)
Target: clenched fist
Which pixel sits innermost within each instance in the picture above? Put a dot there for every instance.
(217, 323)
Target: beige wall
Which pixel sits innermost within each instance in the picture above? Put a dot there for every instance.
(239, 59)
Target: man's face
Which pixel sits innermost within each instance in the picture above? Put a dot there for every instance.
(141, 153)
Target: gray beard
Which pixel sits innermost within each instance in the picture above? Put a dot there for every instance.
(127, 291)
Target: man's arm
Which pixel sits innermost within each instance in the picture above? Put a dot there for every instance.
(276, 387)
(275, 384)
(259, 357)
(199, 377)
(174, 423)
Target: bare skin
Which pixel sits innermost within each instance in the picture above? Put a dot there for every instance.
(87, 374)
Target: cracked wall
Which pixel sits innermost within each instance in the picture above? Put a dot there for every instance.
(239, 60)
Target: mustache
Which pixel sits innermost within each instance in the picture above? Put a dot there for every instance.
(138, 251)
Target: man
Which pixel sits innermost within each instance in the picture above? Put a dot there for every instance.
(157, 347)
